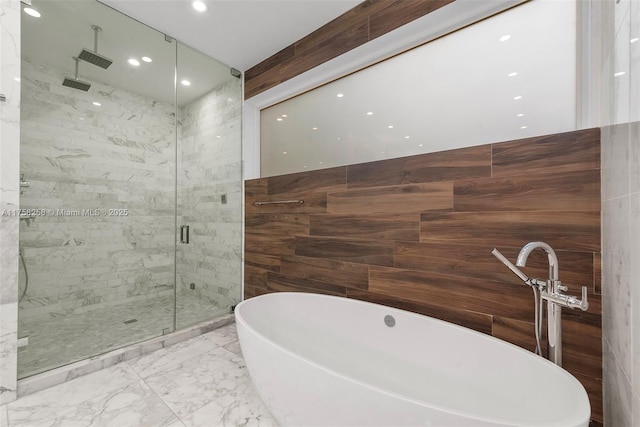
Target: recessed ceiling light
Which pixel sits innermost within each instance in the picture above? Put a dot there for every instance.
(320, 163)
(218, 136)
(407, 137)
(635, 39)
(523, 127)
(133, 62)
(513, 74)
(370, 113)
(32, 12)
(199, 6)
(185, 82)
(420, 145)
(146, 59)
(96, 103)
(314, 128)
(340, 95)
(619, 73)
(279, 119)
(16, 79)
(284, 115)
(517, 97)
(284, 152)
(390, 126)
(505, 37)
(521, 115)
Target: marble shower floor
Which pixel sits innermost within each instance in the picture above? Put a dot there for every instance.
(58, 340)
(199, 382)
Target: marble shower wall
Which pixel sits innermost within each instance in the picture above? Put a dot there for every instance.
(104, 176)
(620, 112)
(210, 170)
(9, 194)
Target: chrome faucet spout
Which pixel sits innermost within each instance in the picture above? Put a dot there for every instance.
(551, 255)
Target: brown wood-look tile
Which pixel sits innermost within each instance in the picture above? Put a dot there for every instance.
(571, 231)
(269, 63)
(410, 198)
(479, 263)
(256, 187)
(255, 276)
(327, 49)
(481, 296)
(469, 319)
(283, 224)
(463, 163)
(350, 250)
(582, 342)
(593, 386)
(342, 23)
(312, 203)
(518, 332)
(266, 80)
(282, 283)
(569, 191)
(263, 261)
(376, 227)
(401, 12)
(570, 151)
(275, 244)
(326, 270)
(322, 180)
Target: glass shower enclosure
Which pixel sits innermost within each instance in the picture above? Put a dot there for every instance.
(130, 185)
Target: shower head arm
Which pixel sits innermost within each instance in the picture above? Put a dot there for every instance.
(75, 58)
(95, 29)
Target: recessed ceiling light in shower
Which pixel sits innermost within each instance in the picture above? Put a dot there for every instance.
(146, 59)
(185, 82)
(32, 12)
(199, 5)
(134, 62)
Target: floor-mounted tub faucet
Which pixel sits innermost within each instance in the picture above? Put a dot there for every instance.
(550, 291)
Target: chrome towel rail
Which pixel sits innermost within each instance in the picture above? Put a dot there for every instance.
(277, 202)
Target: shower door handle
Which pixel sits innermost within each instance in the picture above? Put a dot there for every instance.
(184, 234)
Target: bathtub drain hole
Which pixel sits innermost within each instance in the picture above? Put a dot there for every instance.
(389, 321)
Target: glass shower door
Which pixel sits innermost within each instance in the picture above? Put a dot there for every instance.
(97, 238)
(208, 257)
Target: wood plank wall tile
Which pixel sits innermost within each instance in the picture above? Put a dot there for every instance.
(416, 233)
(349, 274)
(351, 250)
(385, 227)
(436, 196)
(571, 191)
(401, 12)
(556, 153)
(364, 22)
(469, 294)
(562, 230)
(322, 180)
(465, 163)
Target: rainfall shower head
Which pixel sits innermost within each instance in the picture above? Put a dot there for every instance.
(75, 82)
(94, 57)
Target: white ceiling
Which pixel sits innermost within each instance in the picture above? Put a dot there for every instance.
(240, 33)
(237, 33)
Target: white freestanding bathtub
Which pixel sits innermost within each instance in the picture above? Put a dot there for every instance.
(330, 361)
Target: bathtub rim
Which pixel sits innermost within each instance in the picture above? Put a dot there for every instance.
(575, 420)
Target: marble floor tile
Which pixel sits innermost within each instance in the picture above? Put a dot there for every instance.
(240, 407)
(201, 382)
(115, 396)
